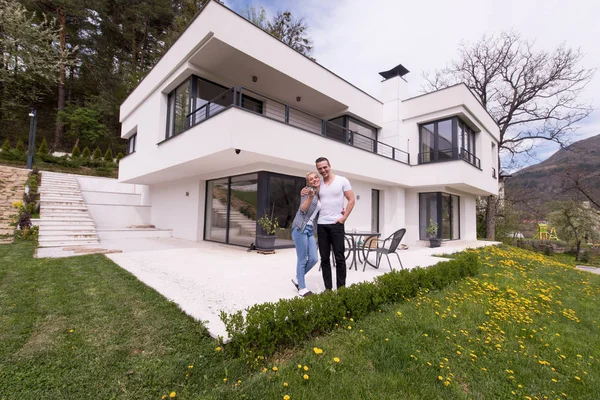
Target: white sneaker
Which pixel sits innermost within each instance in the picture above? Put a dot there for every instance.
(295, 284)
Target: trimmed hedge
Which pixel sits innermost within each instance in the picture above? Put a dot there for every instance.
(262, 329)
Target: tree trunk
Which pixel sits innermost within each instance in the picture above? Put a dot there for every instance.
(578, 249)
(133, 48)
(62, 19)
(490, 218)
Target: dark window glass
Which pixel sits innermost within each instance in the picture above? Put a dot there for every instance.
(208, 92)
(335, 129)
(444, 132)
(252, 104)
(427, 142)
(131, 143)
(283, 202)
(444, 210)
(364, 135)
(179, 108)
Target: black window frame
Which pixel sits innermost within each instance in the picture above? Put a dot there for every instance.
(465, 148)
(131, 143)
(439, 219)
(346, 125)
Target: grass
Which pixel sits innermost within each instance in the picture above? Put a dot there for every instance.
(81, 327)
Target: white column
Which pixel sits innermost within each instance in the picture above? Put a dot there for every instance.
(393, 214)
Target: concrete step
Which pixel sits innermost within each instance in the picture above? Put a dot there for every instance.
(63, 222)
(58, 201)
(129, 233)
(66, 218)
(75, 229)
(69, 243)
(69, 234)
(64, 207)
(59, 185)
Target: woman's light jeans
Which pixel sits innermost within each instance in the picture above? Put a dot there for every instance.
(306, 252)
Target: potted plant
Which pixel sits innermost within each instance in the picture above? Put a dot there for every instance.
(432, 230)
(269, 226)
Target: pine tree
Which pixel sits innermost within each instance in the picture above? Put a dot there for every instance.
(86, 154)
(97, 154)
(75, 153)
(119, 156)
(43, 149)
(108, 155)
(6, 145)
(20, 147)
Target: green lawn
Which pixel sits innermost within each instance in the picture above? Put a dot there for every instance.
(83, 328)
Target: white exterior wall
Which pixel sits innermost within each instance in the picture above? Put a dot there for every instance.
(180, 206)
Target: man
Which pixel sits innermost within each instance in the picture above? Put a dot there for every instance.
(330, 228)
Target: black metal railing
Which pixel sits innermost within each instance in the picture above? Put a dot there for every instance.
(269, 108)
(448, 155)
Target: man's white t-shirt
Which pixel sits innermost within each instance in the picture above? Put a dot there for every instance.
(332, 199)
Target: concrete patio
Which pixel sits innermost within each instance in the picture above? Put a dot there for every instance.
(204, 278)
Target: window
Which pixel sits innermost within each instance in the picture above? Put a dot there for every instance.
(442, 209)
(179, 105)
(131, 143)
(354, 132)
(448, 139)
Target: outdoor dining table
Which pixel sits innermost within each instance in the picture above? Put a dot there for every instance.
(358, 240)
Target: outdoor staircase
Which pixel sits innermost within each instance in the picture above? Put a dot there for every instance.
(64, 218)
(246, 226)
(12, 186)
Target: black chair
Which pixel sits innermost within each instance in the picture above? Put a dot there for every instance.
(388, 246)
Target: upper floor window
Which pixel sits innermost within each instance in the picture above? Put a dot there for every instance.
(447, 139)
(354, 132)
(131, 143)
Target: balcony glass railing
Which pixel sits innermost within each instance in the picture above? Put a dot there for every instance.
(449, 155)
(269, 108)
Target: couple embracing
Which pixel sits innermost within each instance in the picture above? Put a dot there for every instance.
(322, 211)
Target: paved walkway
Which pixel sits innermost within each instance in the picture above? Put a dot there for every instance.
(205, 278)
(593, 270)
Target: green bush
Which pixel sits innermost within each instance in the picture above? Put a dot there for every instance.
(119, 156)
(6, 145)
(86, 154)
(43, 149)
(265, 328)
(20, 148)
(97, 154)
(75, 153)
(103, 171)
(108, 155)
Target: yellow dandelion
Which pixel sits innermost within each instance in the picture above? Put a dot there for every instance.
(239, 381)
(286, 397)
(218, 349)
(317, 350)
(172, 394)
(446, 383)
(335, 359)
(275, 369)
(190, 366)
(299, 366)
(306, 367)
(387, 340)
(264, 369)
(285, 384)
(224, 380)
(305, 376)
(578, 378)
(70, 330)
(426, 335)
(440, 378)
(349, 327)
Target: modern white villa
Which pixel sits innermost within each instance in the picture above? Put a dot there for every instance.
(226, 125)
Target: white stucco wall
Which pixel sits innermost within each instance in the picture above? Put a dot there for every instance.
(173, 209)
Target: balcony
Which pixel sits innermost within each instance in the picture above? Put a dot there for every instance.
(449, 155)
(266, 107)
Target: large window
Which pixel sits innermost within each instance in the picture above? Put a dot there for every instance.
(448, 139)
(179, 105)
(444, 210)
(354, 132)
(234, 204)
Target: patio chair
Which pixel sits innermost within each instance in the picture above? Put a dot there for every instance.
(388, 246)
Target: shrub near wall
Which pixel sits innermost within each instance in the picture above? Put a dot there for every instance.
(265, 328)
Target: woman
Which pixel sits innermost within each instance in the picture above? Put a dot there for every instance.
(303, 229)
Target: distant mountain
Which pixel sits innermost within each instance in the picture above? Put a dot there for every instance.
(542, 183)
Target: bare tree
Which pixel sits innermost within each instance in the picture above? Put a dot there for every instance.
(532, 95)
(578, 184)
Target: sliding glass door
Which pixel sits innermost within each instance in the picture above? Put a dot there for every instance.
(443, 210)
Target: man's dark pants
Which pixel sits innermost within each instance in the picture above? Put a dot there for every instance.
(332, 235)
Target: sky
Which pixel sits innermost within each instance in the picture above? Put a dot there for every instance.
(358, 39)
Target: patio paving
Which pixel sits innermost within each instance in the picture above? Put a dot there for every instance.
(204, 278)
